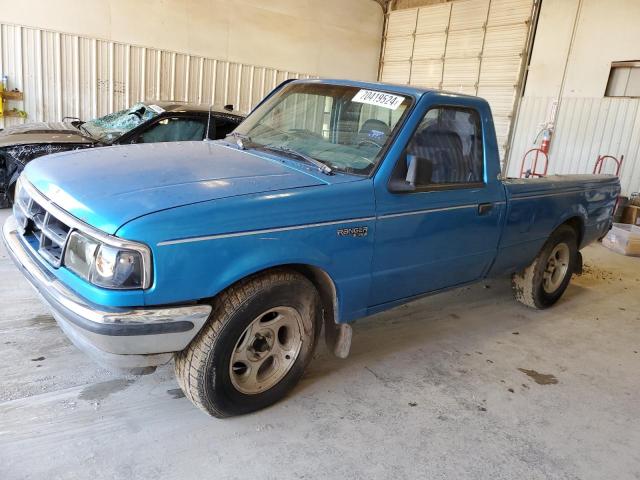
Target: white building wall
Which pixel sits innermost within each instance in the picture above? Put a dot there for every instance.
(89, 58)
(327, 38)
(587, 124)
(65, 75)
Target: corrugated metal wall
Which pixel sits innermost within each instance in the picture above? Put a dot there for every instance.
(69, 75)
(586, 128)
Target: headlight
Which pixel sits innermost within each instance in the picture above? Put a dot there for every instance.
(21, 196)
(20, 203)
(117, 268)
(107, 266)
(80, 254)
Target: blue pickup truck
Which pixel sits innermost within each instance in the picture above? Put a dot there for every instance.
(332, 201)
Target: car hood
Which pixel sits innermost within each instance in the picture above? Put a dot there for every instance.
(41, 132)
(107, 187)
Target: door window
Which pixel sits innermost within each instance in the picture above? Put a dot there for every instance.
(446, 149)
(173, 130)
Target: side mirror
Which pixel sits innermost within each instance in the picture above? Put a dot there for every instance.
(401, 186)
(419, 170)
(401, 182)
(412, 169)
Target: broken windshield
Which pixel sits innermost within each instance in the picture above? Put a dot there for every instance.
(346, 128)
(111, 127)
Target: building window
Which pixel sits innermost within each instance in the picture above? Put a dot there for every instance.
(624, 79)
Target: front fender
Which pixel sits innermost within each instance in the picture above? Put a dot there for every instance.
(200, 249)
(200, 269)
(243, 257)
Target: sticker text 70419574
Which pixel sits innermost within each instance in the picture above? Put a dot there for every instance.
(381, 99)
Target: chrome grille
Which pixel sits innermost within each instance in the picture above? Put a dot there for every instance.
(40, 228)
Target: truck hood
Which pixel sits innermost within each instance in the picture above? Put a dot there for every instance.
(42, 132)
(107, 187)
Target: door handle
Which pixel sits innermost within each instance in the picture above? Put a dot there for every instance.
(484, 208)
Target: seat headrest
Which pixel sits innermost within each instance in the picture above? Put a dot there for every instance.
(374, 130)
(438, 138)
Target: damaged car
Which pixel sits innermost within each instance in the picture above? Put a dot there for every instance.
(142, 123)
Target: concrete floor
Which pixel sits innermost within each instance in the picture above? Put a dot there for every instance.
(432, 390)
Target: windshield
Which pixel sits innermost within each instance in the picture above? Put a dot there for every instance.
(345, 128)
(112, 126)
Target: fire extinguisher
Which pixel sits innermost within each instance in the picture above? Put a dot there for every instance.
(546, 131)
(546, 140)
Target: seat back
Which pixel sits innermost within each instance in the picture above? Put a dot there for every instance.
(443, 149)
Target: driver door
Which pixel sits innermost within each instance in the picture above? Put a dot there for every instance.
(444, 231)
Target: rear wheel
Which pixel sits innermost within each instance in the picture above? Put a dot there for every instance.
(255, 346)
(542, 283)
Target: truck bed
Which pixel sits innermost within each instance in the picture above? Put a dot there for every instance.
(536, 206)
(557, 184)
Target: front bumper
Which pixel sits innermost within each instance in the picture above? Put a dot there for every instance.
(118, 338)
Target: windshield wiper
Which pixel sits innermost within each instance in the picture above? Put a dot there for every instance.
(242, 140)
(82, 128)
(323, 167)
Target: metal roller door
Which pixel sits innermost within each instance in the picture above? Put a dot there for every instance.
(475, 47)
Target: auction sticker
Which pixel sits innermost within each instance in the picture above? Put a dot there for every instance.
(156, 108)
(380, 99)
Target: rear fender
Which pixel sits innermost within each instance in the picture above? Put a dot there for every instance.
(574, 211)
(577, 216)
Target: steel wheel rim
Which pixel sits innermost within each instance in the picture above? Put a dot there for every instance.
(266, 350)
(556, 268)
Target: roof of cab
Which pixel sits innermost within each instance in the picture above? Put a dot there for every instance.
(387, 87)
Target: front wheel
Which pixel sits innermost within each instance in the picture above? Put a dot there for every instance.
(255, 346)
(542, 283)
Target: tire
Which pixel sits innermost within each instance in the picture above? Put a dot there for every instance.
(226, 370)
(542, 283)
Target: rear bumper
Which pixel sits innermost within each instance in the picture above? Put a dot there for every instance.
(118, 338)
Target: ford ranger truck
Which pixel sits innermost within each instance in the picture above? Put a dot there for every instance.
(332, 201)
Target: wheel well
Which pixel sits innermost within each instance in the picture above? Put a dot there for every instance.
(326, 288)
(578, 226)
(320, 280)
(337, 335)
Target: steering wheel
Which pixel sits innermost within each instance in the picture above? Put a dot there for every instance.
(362, 143)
